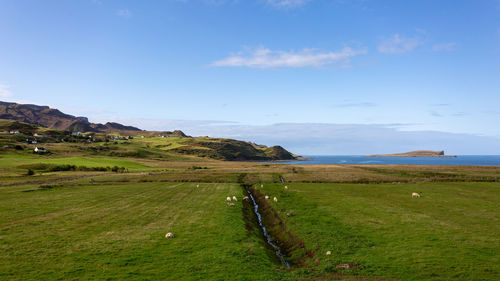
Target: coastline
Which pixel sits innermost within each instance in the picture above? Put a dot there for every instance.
(424, 156)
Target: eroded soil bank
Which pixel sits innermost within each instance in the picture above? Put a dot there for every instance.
(288, 248)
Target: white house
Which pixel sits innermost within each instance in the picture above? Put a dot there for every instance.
(40, 150)
(76, 133)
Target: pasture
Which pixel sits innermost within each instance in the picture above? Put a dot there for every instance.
(115, 230)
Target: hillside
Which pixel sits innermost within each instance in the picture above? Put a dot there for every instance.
(45, 116)
(19, 137)
(416, 153)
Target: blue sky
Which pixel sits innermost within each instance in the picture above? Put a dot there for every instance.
(244, 68)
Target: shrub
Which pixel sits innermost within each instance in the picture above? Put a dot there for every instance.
(30, 172)
(197, 168)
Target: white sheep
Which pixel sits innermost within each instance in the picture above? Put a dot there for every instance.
(234, 198)
(267, 197)
(261, 185)
(275, 199)
(228, 198)
(230, 204)
(197, 185)
(169, 235)
(328, 253)
(414, 194)
(245, 198)
(286, 187)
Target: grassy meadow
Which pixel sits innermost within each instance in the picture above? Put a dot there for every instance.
(101, 211)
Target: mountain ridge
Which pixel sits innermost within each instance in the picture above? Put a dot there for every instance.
(45, 116)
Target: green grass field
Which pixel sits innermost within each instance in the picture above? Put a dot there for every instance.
(115, 231)
(66, 216)
(450, 233)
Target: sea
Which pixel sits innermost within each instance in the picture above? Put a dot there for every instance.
(472, 160)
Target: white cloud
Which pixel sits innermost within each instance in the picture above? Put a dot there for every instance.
(444, 46)
(266, 58)
(125, 13)
(287, 3)
(399, 45)
(4, 91)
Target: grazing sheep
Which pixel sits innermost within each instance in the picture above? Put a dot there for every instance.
(197, 185)
(275, 199)
(245, 198)
(230, 204)
(328, 253)
(414, 194)
(261, 185)
(169, 235)
(228, 198)
(234, 198)
(286, 187)
(267, 197)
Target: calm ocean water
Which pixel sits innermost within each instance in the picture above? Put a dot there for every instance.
(476, 160)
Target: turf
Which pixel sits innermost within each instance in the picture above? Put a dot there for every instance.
(117, 232)
(450, 233)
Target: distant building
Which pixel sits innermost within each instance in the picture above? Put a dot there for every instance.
(40, 150)
(14, 132)
(76, 133)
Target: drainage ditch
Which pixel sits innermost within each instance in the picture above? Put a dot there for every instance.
(288, 249)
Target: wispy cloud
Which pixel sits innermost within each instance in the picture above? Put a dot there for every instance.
(124, 13)
(266, 58)
(440, 104)
(435, 113)
(356, 104)
(157, 124)
(4, 91)
(398, 44)
(459, 114)
(450, 46)
(287, 3)
(447, 114)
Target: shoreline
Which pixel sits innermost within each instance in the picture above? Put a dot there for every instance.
(408, 156)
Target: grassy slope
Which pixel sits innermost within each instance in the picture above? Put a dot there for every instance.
(169, 148)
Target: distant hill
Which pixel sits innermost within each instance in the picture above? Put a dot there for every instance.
(47, 117)
(29, 119)
(416, 153)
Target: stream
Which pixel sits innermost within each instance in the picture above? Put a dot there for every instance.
(269, 240)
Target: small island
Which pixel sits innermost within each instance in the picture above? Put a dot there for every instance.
(416, 153)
